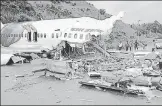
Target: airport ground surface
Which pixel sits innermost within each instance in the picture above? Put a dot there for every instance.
(40, 90)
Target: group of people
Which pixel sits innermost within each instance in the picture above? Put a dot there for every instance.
(129, 45)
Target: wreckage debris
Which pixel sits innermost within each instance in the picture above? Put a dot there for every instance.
(111, 86)
(125, 73)
(94, 74)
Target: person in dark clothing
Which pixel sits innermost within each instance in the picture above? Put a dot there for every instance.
(160, 64)
(154, 45)
(130, 47)
(127, 46)
(136, 45)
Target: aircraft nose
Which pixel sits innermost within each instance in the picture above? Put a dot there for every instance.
(10, 34)
(5, 40)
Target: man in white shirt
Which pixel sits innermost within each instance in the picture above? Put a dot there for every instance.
(120, 45)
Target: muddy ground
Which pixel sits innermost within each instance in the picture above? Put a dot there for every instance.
(40, 90)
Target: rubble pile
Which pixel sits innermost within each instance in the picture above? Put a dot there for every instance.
(117, 67)
(117, 62)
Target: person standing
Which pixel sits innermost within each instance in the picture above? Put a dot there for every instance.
(144, 46)
(136, 45)
(120, 45)
(154, 46)
(160, 64)
(131, 45)
(127, 46)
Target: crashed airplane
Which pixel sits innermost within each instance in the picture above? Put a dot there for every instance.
(35, 36)
(48, 33)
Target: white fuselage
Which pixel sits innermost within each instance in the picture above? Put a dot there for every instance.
(52, 32)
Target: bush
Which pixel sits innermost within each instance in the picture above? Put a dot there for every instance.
(24, 18)
(102, 11)
(73, 4)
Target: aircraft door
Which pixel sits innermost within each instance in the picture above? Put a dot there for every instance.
(35, 37)
(29, 36)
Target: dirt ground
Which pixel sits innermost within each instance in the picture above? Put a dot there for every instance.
(40, 90)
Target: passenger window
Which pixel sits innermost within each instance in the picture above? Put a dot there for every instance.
(8, 35)
(44, 35)
(22, 35)
(81, 36)
(52, 35)
(41, 35)
(87, 36)
(65, 35)
(57, 35)
(69, 36)
(11, 35)
(75, 36)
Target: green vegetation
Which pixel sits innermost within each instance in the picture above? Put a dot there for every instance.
(20, 11)
(26, 10)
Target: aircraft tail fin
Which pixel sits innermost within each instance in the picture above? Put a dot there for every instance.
(114, 18)
(108, 23)
(121, 15)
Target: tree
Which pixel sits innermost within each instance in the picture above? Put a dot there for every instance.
(102, 11)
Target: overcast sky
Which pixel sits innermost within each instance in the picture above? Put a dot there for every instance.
(146, 11)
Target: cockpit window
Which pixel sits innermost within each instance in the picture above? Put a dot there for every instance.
(75, 36)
